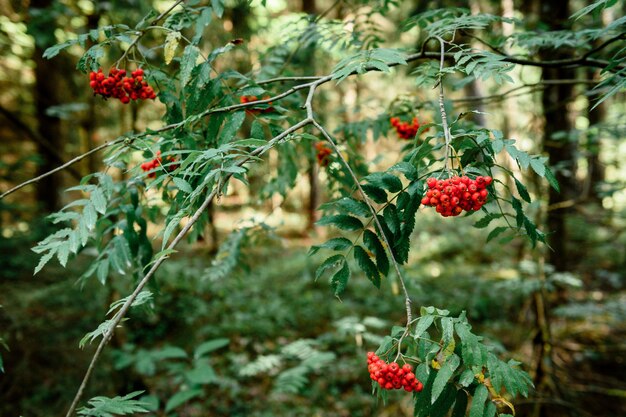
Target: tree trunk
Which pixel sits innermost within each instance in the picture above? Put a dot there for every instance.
(556, 140)
(48, 81)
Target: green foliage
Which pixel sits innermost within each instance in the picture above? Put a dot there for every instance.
(108, 407)
(453, 363)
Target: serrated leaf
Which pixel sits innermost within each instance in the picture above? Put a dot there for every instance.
(171, 43)
(423, 323)
(521, 189)
(98, 200)
(107, 407)
(377, 194)
(552, 180)
(466, 378)
(43, 261)
(90, 216)
(339, 281)
(385, 181)
(538, 166)
(182, 185)
(353, 206)
(478, 402)
(188, 63)
(210, 346)
(341, 221)
(335, 244)
(496, 232)
(484, 222)
(218, 7)
(366, 264)
(443, 376)
(390, 214)
(371, 241)
(329, 263)
(460, 404)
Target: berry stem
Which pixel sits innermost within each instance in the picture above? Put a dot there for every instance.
(442, 109)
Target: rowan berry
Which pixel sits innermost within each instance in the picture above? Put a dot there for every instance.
(453, 195)
(392, 376)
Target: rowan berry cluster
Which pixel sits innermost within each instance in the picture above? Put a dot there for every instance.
(249, 99)
(392, 376)
(405, 130)
(158, 161)
(323, 154)
(121, 87)
(453, 195)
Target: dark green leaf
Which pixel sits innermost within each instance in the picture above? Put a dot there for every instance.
(496, 232)
(339, 281)
(443, 376)
(372, 243)
(521, 189)
(181, 398)
(210, 346)
(377, 194)
(552, 180)
(336, 244)
(366, 264)
(478, 402)
(341, 221)
(329, 263)
(460, 405)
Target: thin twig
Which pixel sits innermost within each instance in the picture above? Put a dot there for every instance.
(62, 167)
(407, 299)
(442, 109)
(124, 309)
(141, 33)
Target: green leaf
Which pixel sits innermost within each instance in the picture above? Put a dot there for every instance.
(107, 407)
(353, 206)
(496, 232)
(371, 241)
(339, 281)
(187, 64)
(460, 405)
(484, 222)
(443, 376)
(218, 7)
(423, 323)
(232, 125)
(538, 166)
(329, 263)
(341, 221)
(181, 398)
(466, 378)
(201, 374)
(182, 185)
(478, 402)
(377, 194)
(210, 346)
(43, 261)
(335, 244)
(552, 180)
(366, 264)
(521, 189)
(98, 200)
(385, 180)
(390, 214)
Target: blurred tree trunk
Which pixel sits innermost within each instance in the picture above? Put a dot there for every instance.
(595, 169)
(48, 82)
(557, 143)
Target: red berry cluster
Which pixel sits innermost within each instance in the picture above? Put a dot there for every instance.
(392, 376)
(119, 86)
(405, 130)
(150, 165)
(249, 99)
(453, 195)
(323, 153)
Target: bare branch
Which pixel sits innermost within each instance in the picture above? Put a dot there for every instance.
(62, 167)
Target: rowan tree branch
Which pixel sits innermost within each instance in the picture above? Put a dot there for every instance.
(329, 139)
(62, 167)
(121, 313)
(36, 137)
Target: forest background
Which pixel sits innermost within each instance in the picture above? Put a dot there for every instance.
(235, 322)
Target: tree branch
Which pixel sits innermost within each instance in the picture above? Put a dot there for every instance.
(121, 313)
(17, 122)
(62, 167)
